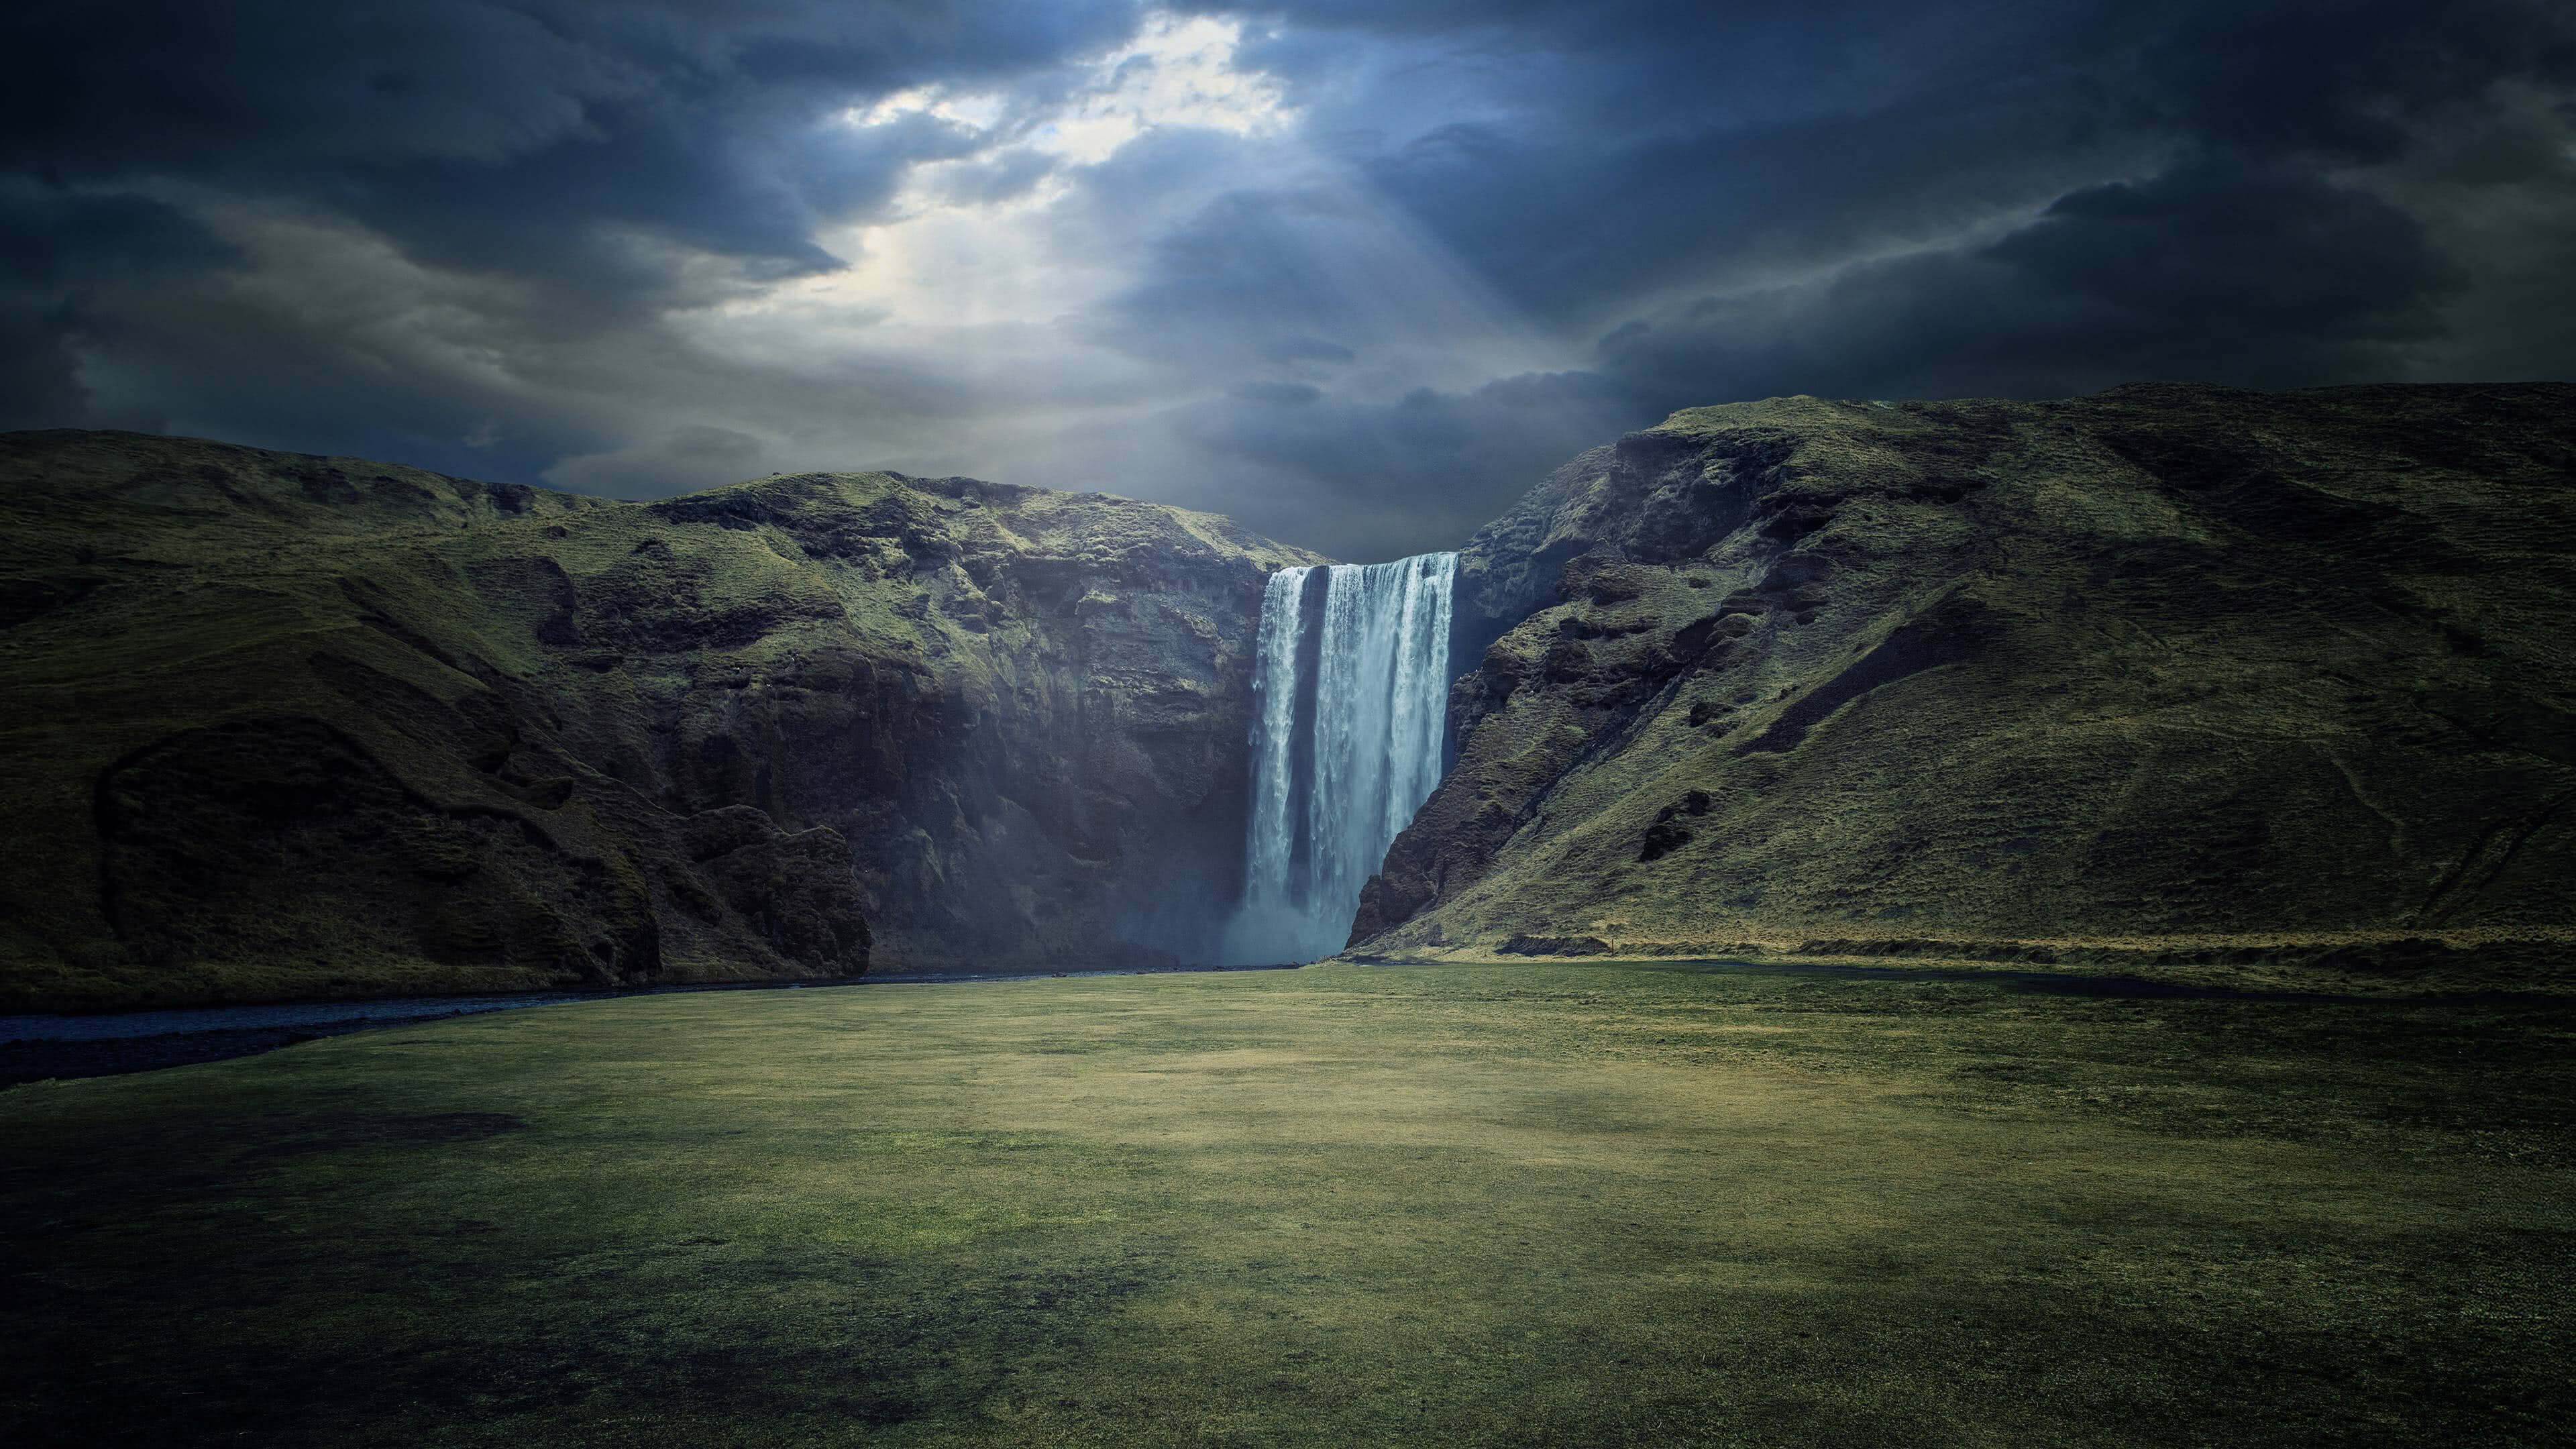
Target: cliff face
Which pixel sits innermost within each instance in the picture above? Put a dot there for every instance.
(2165, 662)
(284, 725)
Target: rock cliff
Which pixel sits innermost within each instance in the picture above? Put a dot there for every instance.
(2166, 665)
(2169, 670)
(283, 725)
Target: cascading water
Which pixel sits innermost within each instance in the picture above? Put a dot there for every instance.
(1353, 686)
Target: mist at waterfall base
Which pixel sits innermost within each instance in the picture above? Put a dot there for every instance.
(1351, 692)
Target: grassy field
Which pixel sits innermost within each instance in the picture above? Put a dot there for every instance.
(1546, 1204)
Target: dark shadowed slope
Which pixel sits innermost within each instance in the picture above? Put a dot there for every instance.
(284, 725)
(2173, 666)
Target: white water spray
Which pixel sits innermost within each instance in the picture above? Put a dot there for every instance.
(1353, 695)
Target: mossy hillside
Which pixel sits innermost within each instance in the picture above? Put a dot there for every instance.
(2164, 668)
(1035, 730)
(158, 585)
(1614, 1204)
(937, 675)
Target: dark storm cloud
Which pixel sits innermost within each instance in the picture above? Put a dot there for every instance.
(1424, 467)
(1249, 279)
(51, 236)
(2342, 81)
(52, 245)
(270, 88)
(574, 147)
(2257, 279)
(489, 236)
(2217, 253)
(1936, 200)
(1999, 101)
(1595, 150)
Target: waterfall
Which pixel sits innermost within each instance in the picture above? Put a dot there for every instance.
(1352, 680)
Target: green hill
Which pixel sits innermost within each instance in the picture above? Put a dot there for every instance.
(282, 725)
(2169, 673)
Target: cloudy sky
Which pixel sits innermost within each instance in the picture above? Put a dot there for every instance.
(1355, 271)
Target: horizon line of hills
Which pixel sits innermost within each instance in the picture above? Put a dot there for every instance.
(2162, 677)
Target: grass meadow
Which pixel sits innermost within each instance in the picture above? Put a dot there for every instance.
(1544, 1204)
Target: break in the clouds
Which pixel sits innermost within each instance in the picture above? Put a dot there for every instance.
(1355, 273)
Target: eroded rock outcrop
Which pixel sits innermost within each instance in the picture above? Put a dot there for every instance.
(2167, 662)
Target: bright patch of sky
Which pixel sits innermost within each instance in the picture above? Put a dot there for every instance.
(1175, 73)
(997, 267)
(949, 257)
